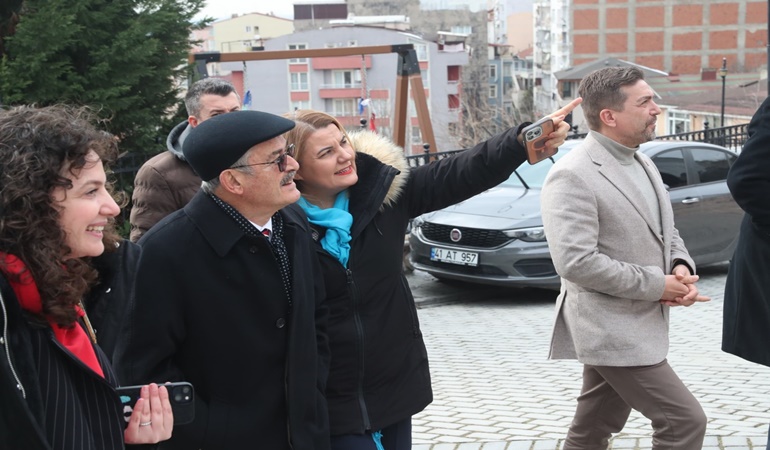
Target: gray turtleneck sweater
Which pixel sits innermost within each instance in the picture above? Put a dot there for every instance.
(635, 172)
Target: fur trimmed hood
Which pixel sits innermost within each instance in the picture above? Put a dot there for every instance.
(385, 151)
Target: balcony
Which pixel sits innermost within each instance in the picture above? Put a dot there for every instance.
(341, 62)
(351, 122)
(348, 90)
(452, 87)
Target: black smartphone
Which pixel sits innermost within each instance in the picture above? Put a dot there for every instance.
(535, 136)
(181, 395)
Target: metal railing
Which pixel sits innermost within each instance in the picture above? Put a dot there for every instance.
(732, 137)
(427, 156)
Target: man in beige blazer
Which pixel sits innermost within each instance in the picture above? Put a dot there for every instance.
(610, 228)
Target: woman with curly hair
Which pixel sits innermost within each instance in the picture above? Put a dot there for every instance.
(56, 212)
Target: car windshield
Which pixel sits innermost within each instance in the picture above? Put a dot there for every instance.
(533, 175)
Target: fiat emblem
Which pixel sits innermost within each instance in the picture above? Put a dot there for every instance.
(455, 235)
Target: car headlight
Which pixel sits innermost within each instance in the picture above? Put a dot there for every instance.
(417, 222)
(536, 234)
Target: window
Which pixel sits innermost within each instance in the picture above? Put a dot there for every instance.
(344, 107)
(299, 81)
(411, 108)
(301, 104)
(248, 28)
(346, 78)
(492, 91)
(678, 122)
(297, 47)
(492, 72)
(422, 51)
(425, 75)
(416, 136)
(454, 102)
(711, 165)
(507, 88)
(464, 29)
(672, 169)
(380, 106)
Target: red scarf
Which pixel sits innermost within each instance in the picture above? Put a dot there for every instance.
(73, 339)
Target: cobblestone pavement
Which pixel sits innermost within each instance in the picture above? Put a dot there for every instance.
(494, 388)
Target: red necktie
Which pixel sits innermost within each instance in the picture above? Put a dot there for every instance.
(266, 232)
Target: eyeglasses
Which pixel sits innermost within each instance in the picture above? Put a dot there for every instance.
(280, 160)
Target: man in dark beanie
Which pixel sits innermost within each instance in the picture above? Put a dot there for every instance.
(227, 296)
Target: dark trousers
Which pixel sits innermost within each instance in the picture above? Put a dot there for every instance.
(609, 393)
(395, 437)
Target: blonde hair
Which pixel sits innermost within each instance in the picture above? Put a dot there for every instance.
(309, 121)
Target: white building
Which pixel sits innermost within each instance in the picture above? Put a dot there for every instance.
(552, 52)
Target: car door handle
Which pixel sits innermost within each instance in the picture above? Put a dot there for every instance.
(689, 200)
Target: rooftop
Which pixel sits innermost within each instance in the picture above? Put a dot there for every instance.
(578, 72)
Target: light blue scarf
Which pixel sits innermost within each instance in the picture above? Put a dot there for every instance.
(337, 221)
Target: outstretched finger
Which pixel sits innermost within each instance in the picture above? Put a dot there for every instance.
(566, 109)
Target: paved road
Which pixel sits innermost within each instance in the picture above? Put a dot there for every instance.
(494, 388)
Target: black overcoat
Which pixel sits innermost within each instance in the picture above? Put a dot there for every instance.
(49, 399)
(107, 302)
(210, 309)
(379, 367)
(746, 326)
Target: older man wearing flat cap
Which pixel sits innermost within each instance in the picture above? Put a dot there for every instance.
(227, 296)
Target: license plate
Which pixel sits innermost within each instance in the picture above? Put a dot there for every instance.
(454, 256)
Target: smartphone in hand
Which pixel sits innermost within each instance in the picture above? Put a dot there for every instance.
(181, 395)
(535, 136)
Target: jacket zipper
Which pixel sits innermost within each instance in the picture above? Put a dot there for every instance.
(361, 352)
(6, 343)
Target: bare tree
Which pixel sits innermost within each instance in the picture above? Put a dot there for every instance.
(482, 120)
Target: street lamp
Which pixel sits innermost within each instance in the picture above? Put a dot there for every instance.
(723, 74)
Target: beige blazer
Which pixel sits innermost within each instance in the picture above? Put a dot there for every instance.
(612, 261)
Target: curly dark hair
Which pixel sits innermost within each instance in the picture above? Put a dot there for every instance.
(36, 144)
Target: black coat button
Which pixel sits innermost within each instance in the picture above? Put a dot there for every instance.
(253, 249)
(280, 323)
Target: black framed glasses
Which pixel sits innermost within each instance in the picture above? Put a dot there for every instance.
(280, 160)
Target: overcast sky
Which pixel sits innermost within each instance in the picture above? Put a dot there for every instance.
(222, 9)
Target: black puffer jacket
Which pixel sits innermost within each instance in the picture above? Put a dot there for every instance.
(379, 371)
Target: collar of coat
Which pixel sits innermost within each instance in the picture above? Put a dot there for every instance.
(385, 152)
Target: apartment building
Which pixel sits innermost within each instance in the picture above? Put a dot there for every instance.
(337, 85)
(675, 36)
(241, 33)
